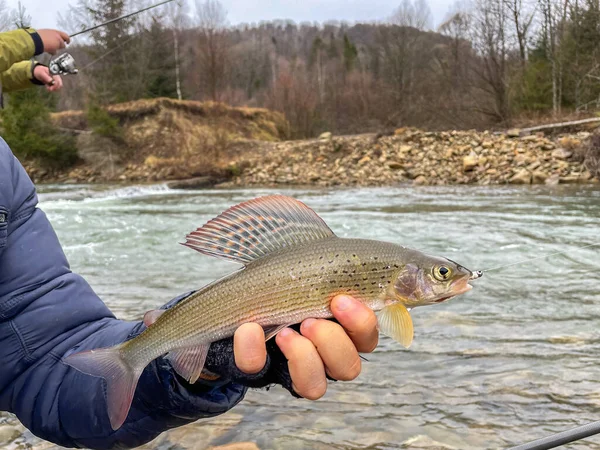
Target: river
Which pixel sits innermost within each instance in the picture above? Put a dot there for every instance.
(516, 358)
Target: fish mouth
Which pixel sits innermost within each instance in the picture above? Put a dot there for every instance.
(459, 288)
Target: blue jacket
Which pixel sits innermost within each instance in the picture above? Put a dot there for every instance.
(47, 311)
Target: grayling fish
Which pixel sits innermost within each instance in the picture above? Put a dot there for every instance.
(293, 266)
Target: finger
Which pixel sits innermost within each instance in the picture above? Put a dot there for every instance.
(58, 83)
(65, 37)
(335, 348)
(43, 76)
(358, 320)
(152, 316)
(304, 363)
(249, 348)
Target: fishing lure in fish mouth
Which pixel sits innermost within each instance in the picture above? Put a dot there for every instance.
(477, 274)
(293, 266)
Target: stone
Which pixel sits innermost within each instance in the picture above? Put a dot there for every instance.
(529, 138)
(538, 177)
(470, 162)
(570, 179)
(326, 136)
(394, 165)
(420, 180)
(7, 435)
(513, 132)
(521, 177)
(561, 153)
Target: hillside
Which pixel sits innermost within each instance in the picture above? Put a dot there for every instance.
(162, 139)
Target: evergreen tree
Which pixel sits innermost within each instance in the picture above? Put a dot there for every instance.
(160, 80)
(350, 54)
(27, 128)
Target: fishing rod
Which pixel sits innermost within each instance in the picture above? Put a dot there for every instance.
(562, 438)
(65, 63)
(108, 22)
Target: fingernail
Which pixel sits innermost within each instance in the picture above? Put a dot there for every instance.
(286, 332)
(344, 303)
(308, 323)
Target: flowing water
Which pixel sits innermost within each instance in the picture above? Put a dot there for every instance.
(515, 359)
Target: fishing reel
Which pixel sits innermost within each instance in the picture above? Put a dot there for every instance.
(63, 65)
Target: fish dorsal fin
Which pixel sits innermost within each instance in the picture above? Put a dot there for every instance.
(255, 228)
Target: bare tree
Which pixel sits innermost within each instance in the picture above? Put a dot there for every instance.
(213, 46)
(415, 14)
(490, 38)
(177, 14)
(554, 16)
(5, 21)
(522, 14)
(20, 18)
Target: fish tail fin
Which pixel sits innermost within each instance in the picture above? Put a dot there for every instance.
(120, 376)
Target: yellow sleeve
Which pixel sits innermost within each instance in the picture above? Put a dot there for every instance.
(18, 45)
(18, 77)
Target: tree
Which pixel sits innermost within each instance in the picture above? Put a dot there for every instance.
(117, 71)
(213, 46)
(26, 124)
(5, 21)
(415, 14)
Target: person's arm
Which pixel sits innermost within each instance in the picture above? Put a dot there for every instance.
(19, 45)
(17, 48)
(46, 311)
(18, 77)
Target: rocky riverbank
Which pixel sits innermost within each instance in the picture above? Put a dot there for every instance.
(198, 145)
(422, 158)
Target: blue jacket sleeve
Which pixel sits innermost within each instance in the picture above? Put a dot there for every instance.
(46, 312)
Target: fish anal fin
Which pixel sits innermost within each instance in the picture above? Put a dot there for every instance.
(121, 379)
(189, 361)
(395, 321)
(257, 227)
(272, 330)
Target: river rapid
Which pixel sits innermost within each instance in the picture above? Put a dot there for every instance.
(516, 358)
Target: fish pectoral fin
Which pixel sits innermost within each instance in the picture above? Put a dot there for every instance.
(255, 228)
(272, 330)
(152, 316)
(395, 321)
(189, 361)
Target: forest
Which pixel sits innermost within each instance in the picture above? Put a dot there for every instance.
(490, 63)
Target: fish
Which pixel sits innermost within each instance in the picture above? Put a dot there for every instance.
(293, 266)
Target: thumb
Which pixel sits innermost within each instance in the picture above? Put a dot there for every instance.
(152, 316)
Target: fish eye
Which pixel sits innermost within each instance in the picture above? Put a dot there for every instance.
(442, 273)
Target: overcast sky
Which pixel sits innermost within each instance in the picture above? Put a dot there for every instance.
(44, 12)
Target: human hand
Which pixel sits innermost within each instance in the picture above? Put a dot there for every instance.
(322, 347)
(42, 74)
(53, 40)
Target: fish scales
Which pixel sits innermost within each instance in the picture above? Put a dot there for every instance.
(284, 287)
